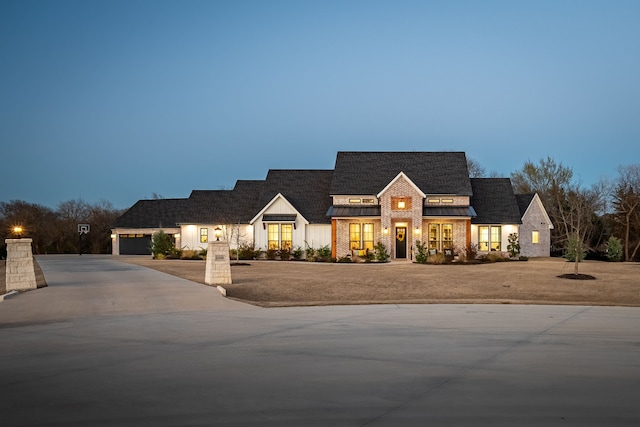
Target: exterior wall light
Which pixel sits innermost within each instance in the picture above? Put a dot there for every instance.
(401, 204)
(386, 230)
(217, 232)
(417, 230)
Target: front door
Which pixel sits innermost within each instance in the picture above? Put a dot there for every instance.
(401, 242)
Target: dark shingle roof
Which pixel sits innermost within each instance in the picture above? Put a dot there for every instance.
(224, 206)
(370, 172)
(307, 190)
(153, 213)
(524, 200)
(494, 201)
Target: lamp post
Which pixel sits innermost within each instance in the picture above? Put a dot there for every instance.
(17, 230)
(218, 233)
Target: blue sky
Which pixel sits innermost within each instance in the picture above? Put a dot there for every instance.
(118, 100)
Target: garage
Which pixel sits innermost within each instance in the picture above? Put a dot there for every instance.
(135, 244)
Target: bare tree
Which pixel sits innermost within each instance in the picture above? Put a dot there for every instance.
(576, 209)
(551, 181)
(476, 170)
(627, 207)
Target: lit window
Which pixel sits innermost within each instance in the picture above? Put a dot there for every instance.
(489, 238)
(354, 200)
(280, 236)
(447, 236)
(433, 200)
(368, 200)
(447, 200)
(367, 236)
(204, 235)
(273, 236)
(535, 237)
(354, 236)
(287, 237)
(496, 238)
(361, 236)
(483, 239)
(434, 236)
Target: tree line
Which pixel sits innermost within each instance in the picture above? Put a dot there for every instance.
(55, 231)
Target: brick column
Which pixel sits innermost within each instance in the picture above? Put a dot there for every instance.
(20, 274)
(218, 267)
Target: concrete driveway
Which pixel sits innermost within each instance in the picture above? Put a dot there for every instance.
(109, 344)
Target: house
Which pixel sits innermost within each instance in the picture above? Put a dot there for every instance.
(394, 198)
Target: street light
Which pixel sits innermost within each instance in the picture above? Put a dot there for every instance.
(217, 232)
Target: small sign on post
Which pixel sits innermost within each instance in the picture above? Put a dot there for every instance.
(83, 228)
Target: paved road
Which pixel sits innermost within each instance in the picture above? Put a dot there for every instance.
(112, 344)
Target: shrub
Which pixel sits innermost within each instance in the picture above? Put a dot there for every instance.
(381, 253)
(471, 252)
(272, 253)
(324, 253)
(297, 253)
(614, 249)
(438, 258)
(174, 253)
(285, 254)
(310, 253)
(246, 251)
(190, 254)
(423, 254)
(345, 258)
(161, 244)
(514, 246)
(494, 257)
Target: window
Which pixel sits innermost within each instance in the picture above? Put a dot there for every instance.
(433, 200)
(483, 239)
(354, 200)
(367, 236)
(434, 236)
(354, 236)
(368, 200)
(204, 235)
(361, 236)
(496, 238)
(286, 240)
(447, 236)
(447, 200)
(280, 236)
(535, 237)
(438, 241)
(489, 238)
(273, 236)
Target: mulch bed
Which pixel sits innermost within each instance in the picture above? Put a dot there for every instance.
(577, 276)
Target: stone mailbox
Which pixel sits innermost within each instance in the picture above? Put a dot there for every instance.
(218, 267)
(20, 274)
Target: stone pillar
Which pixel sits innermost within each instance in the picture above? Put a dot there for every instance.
(21, 274)
(218, 268)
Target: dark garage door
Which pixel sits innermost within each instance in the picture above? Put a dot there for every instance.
(135, 244)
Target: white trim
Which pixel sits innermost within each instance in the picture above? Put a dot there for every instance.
(276, 197)
(401, 174)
